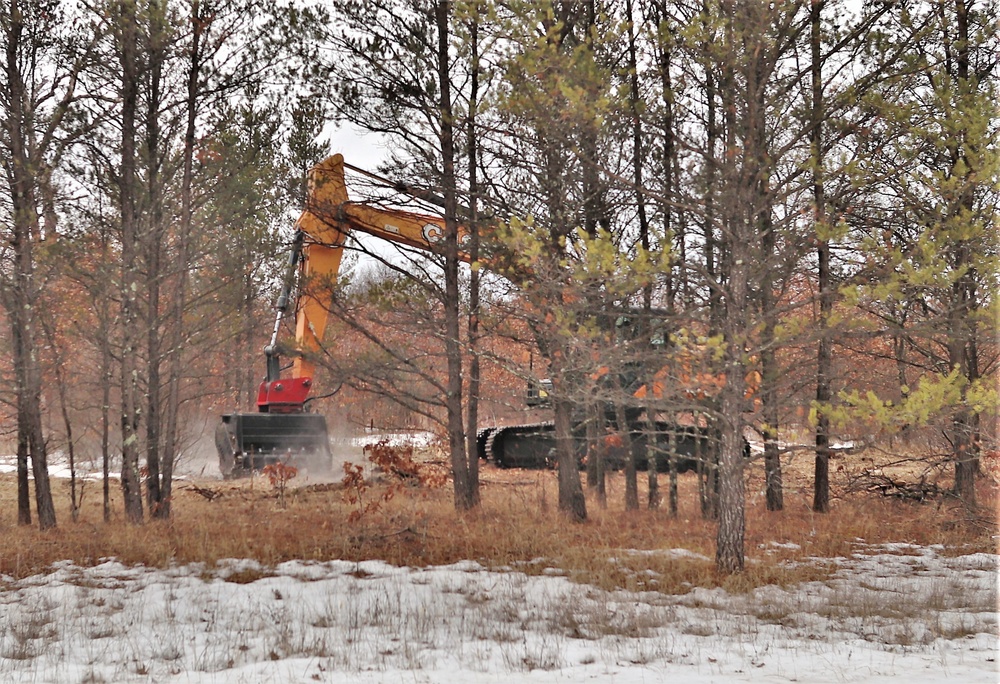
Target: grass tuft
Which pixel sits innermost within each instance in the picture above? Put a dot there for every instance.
(515, 527)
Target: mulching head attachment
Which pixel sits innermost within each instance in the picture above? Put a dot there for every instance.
(250, 441)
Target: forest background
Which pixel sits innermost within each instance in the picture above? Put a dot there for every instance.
(779, 217)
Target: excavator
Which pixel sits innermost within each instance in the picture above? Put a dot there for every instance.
(283, 429)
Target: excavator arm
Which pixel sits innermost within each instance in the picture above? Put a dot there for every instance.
(327, 220)
(249, 441)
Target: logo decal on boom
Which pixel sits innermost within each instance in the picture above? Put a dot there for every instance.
(433, 233)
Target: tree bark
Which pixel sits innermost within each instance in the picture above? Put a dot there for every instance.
(107, 378)
(770, 373)
(594, 430)
(464, 493)
(631, 476)
(75, 487)
(174, 354)
(154, 244)
(824, 357)
(962, 351)
(473, 391)
(24, 168)
(130, 393)
(653, 496)
(571, 499)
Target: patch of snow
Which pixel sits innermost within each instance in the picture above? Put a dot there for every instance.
(883, 616)
(417, 439)
(667, 553)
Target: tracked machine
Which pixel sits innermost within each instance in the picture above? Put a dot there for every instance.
(681, 446)
(283, 428)
(533, 445)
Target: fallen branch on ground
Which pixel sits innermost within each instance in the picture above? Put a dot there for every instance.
(208, 493)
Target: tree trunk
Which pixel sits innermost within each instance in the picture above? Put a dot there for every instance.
(962, 325)
(571, 499)
(824, 358)
(621, 420)
(23, 169)
(465, 498)
(638, 162)
(739, 215)
(153, 275)
(472, 398)
(775, 498)
(596, 476)
(710, 243)
(653, 497)
(770, 373)
(671, 471)
(75, 488)
(171, 436)
(157, 246)
(107, 377)
(706, 454)
(130, 393)
(729, 555)
(23, 483)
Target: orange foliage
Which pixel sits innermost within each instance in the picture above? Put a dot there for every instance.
(279, 474)
(397, 463)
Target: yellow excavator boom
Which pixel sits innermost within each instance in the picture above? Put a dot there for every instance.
(328, 218)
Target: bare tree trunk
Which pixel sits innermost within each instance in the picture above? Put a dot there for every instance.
(672, 471)
(23, 169)
(32, 396)
(571, 499)
(154, 244)
(824, 359)
(653, 497)
(592, 433)
(107, 377)
(472, 399)
(245, 378)
(708, 463)
(710, 243)
(460, 456)
(130, 394)
(740, 216)
(596, 475)
(729, 555)
(638, 162)
(706, 453)
(23, 483)
(171, 436)
(962, 343)
(631, 476)
(769, 405)
(774, 491)
(770, 374)
(75, 490)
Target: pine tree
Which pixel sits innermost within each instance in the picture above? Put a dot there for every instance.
(931, 154)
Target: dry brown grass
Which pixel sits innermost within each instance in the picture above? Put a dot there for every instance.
(517, 526)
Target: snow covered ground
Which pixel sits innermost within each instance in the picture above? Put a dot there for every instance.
(889, 613)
